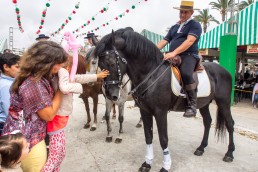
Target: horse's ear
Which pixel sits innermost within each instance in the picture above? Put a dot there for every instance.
(113, 37)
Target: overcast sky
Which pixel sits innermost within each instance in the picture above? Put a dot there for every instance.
(153, 15)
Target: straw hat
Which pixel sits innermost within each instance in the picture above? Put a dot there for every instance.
(186, 5)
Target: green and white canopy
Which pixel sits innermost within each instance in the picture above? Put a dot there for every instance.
(246, 29)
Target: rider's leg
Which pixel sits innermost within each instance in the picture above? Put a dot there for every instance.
(191, 100)
(187, 69)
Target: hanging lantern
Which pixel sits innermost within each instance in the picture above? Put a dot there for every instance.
(127, 11)
(133, 7)
(47, 4)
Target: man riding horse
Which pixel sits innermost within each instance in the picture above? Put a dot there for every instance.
(183, 38)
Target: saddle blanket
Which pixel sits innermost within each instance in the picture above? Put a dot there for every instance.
(204, 86)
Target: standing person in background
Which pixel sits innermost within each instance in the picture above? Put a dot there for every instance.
(13, 149)
(42, 37)
(55, 128)
(33, 100)
(92, 39)
(7, 51)
(9, 68)
(183, 38)
(255, 94)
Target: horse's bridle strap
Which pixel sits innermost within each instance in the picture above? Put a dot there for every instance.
(147, 78)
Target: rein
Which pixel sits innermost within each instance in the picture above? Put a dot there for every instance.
(125, 83)
(147, 78)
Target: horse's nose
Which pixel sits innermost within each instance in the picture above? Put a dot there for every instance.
(114, 98)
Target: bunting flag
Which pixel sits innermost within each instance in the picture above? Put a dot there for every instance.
(118, 17)
(17, 10)
(104, 9)
(69, 18)
(44, 13)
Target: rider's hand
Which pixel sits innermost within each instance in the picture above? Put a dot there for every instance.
(102, 74)
(170, 55)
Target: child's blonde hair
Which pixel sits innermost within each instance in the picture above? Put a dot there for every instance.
(11, 146)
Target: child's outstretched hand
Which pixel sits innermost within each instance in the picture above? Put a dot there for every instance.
(103, 74)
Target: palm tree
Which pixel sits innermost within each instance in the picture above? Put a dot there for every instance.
(221, 6)
(205, 18)
(244, 4)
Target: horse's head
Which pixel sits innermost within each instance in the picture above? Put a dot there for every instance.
(111, 57)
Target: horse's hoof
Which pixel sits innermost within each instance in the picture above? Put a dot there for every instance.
(114, 117)
(163, 170)
(145, 167)
(109, 139)
(228, 159)
(138, 125)
(198, 152)
(118, 140)
(86, 126)
(93, 128)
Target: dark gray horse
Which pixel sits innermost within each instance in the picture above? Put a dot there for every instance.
(125, 51)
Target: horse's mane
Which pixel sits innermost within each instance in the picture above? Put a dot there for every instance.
(139, 46)
(136, 45)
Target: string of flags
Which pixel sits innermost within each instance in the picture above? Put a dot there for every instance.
(93, 18)
(114, 19)
(69, 18)
(44, 14)
(17, 11)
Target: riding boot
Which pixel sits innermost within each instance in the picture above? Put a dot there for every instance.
(191, 100)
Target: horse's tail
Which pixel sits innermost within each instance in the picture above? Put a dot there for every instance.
(220, 128)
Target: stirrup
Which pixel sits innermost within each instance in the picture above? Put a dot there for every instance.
(189, 113)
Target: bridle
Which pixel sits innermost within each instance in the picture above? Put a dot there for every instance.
(118, 57)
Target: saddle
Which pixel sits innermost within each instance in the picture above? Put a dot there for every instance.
(175, 63)
(202, 80)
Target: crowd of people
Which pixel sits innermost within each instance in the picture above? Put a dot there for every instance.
(36, 101)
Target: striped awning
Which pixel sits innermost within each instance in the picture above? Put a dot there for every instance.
(154, 37)
(246, 29)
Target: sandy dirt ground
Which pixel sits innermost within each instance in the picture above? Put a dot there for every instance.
(87, 151)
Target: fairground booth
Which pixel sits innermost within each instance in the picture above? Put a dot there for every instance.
(234, 44)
